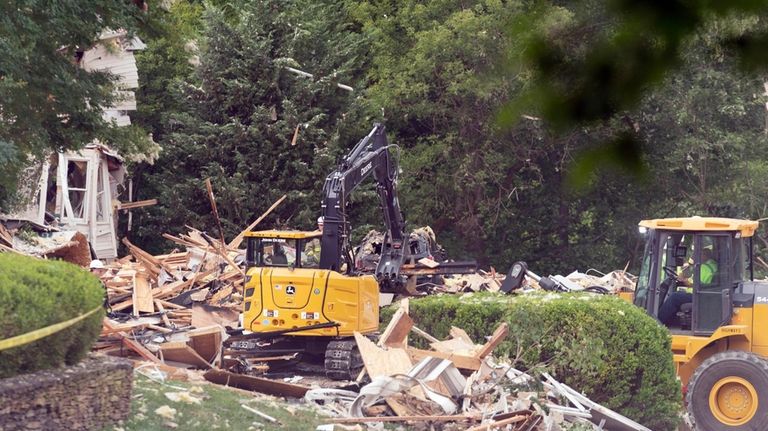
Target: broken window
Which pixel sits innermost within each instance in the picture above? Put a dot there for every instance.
(77, 176)
(101, 184)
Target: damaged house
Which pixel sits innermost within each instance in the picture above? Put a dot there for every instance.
(73, 197)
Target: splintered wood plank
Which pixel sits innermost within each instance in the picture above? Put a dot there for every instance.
(219, 296)
(396, 333)
(206, 342)
(125, 327)
(257, 384)
(380, 362)
(498, 336)
(179, 351)
(455, 345)
(239, 238)
(462, 334)
(142, 295)
(133, 345)
(163, 314)
(429, 263)
(460, 361)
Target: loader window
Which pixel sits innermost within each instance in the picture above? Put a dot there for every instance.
(643, 280)
(713, 282)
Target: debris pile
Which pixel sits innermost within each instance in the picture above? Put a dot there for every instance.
(612, 282)
(175, 306)
(456, 382)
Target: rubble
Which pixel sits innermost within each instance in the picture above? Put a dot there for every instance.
(171, 311)
(434, 389)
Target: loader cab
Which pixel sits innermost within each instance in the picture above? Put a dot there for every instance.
(286, 249)
(695, 267)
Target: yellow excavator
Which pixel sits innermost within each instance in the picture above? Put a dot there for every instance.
(697, 278)
(299, 308)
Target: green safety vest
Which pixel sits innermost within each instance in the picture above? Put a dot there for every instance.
(706, 274)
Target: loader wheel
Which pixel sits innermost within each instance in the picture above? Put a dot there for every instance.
(729, 391)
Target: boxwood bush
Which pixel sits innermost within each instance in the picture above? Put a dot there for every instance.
(600, 345)
(36, 293)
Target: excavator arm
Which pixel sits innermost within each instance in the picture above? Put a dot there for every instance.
(370, 156)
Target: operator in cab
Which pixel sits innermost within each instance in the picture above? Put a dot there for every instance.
(312, 249)
(675, 300)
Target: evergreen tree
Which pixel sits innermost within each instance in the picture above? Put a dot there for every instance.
(238, 125)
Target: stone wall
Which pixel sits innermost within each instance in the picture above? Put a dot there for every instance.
(87, 396)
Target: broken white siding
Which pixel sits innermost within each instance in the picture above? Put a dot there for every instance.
(81, 189)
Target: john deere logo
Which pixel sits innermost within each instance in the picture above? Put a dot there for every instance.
(290, 289)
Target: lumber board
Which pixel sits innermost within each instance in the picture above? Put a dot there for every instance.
(125, 327)
(424, 334)
(206, 342)
(500, 424)
(397, 330)
(256, 384)
(380, 362)
(460, 361)
(163, 314)
(136, 204)
(179, 351)
(454, 345)
(460, 333)
(235, 243)
(131, 344)
(498, 336)
(142, 295)
(413, 418)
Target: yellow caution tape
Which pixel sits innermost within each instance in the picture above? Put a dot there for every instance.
(37, 334)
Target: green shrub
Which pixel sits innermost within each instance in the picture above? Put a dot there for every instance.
(601, 345)
(37, 293)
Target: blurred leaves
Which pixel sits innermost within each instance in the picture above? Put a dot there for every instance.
(612, 55)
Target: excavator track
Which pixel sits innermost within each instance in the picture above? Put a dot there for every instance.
(343, 360)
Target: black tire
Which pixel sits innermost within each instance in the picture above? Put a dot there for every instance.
(711, 375)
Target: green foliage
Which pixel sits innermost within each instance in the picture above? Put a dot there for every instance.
(38, 293)
(47, 101)
(439, 73)
(601, 345)
(586, 74)
(236, 126)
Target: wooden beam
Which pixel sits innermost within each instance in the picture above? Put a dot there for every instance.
(215, 210)
(425, 418)
(133, 345)
(498, 336)
(163, 315)
(136, 204)
(239, 238)
(460, 361)
(499, 424)
(396, 333)
(257, 384)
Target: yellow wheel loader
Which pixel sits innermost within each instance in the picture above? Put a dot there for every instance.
(697, 278)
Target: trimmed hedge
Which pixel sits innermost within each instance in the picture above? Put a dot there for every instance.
(37, 293)
(601, 345)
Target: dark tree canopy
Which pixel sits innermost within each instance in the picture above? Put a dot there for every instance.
(47, 102)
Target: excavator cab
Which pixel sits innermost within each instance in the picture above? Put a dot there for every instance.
(283, 249)
(696, 278)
